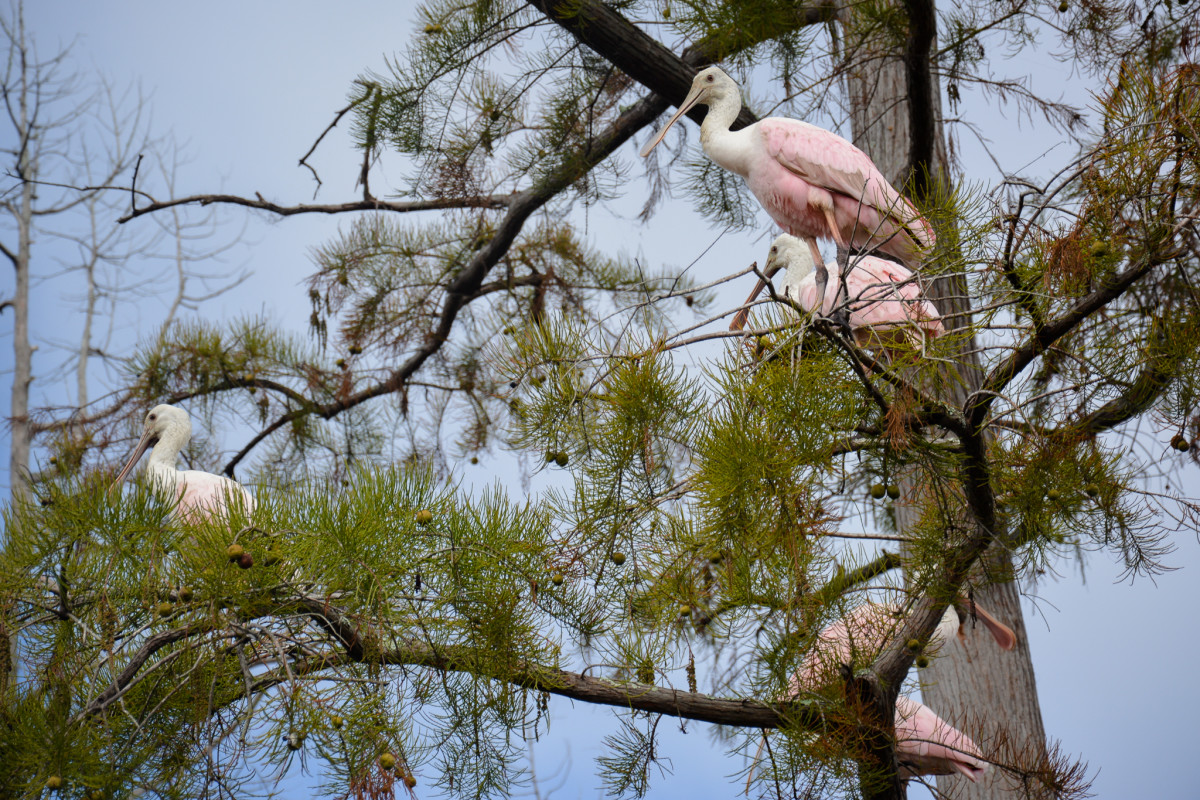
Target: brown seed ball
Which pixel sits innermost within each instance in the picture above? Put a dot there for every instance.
(410, 781)
(1179, 443)
(234, 551)
(186, 594)
(878, 490)
(618, 558)
(474, 459)
(424, 516)
(54, 782)
(245, 561)
(387, 761)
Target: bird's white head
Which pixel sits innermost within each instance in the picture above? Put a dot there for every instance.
(711, 87)
(792, 254)
(164, 423)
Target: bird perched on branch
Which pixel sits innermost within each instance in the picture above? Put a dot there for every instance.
(812, 182)
(199, 495)
(881, 295)
(925, 744)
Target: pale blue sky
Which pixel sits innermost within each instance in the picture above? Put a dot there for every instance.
(249, 85)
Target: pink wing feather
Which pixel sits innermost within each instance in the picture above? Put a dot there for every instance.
(203, 495)
(928, 745)
(868, 210)
(882, 294)
(925, 743)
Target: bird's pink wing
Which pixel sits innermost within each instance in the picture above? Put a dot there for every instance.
(862, 632)
(203, 495)
(884, 294)
(827, 160)
(928, 745)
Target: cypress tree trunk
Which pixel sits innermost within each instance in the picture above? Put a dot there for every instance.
(979, 689)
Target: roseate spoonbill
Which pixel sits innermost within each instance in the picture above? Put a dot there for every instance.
(199, 494)
(867, 628)
(882, 295)
(925, 744)
(812, 182)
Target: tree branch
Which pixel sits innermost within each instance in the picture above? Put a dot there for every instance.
(258, 202)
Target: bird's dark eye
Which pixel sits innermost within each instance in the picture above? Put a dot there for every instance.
(774, 249)
(153, 417)
(709, 78)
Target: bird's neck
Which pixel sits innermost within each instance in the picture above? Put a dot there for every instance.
(722, 145)
(162, 457)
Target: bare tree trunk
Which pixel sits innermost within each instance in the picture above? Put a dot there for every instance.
(979, 688)
(22, 433)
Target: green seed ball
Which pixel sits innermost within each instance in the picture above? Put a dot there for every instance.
(424, 516)
(1181, 444)
(551, 455)
(271, 558)
(878, 490)
(234, 551)
(685, 610)
(1063, 6)
(1099, 249)
(922, 662)
(893, 492)
(561, 459)
(715, 558)
(54, 782)
(557, 579)
(1053, 495)
(410, 781)
(164, 609)
(1092, 490)
(186, 594)
(355, 350)
(618, 558)
(95, 794)
(337, 722)
(387, 761)
(913, 645)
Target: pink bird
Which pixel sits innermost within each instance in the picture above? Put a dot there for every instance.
(199, 495)
(883, 296)
(925, 744)
(812, 182)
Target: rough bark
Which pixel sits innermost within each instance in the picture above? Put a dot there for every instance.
(980, 688)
